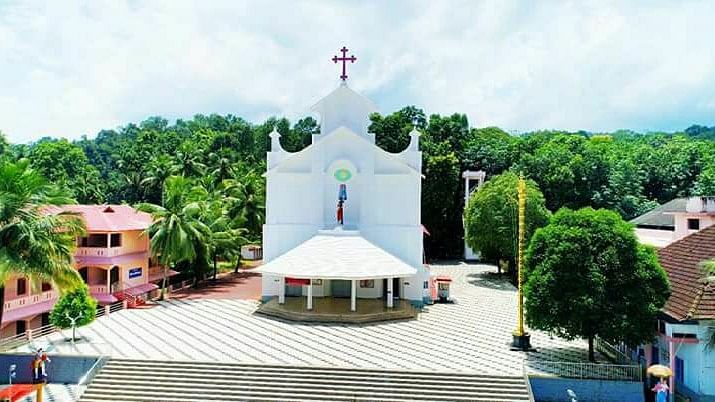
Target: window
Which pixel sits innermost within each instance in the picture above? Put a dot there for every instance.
(20, 327)
(116, 240)
(46, 287)
(693, 224)
(367, 283)
(679, 369)
(661, 327)
(94, 240)
(425, 285)
(21, 287)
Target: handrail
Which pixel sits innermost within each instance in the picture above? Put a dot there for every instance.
(592, 371)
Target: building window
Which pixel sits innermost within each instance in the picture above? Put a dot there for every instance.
(115, 240)
(21, 286)
(661, 327)
(693, 224)
(20, 327)
(367, 283)
(425, 285)
(94, 240)
(679, 370)
(655, 354)
(46, 287)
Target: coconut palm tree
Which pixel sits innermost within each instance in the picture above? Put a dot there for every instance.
(160, 169)
(34, 241)
(177, 232)
(226, 234)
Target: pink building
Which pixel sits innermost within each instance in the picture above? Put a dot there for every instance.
(113, 259)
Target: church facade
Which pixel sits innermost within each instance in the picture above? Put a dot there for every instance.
(343, 215)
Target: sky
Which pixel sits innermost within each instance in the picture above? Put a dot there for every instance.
(69, 69)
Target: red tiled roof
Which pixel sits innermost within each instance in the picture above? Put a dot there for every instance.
(108, 218)
(691, 298)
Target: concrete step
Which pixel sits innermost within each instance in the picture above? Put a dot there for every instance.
(357, 388)
(160, 381)
(188, 374)
(198, 380)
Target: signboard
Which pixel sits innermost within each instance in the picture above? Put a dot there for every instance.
(135, 272)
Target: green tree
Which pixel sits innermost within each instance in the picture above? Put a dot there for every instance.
(587, 275)
(491, 217)
(75, 305)
(177, 233)
(392, 132)
(33, 242)
(705, 185)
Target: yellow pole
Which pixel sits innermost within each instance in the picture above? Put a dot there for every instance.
(521, 190)
(521, 337)
(39, 387)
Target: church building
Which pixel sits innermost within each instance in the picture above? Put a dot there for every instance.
(343, 215)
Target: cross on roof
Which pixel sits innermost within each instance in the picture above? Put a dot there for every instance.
(344, 59)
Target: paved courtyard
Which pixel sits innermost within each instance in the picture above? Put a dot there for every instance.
(471, 335)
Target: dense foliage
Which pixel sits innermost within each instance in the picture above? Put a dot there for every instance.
(587, 275)
(495, 206)
(623, 171)
(33, 243)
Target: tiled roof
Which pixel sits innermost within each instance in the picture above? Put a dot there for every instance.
(108, 218)
(690, 298)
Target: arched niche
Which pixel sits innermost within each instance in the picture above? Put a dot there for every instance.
(342, 172)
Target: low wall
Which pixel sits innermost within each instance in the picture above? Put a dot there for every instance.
(61, 369)
(548, 389)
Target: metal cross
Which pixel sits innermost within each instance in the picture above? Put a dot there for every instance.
(351, 59)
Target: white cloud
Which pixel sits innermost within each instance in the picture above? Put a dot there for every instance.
(73, 69)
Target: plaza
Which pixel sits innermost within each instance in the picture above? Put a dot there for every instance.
(471, 335)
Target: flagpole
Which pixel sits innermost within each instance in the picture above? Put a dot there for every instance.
(521, 339)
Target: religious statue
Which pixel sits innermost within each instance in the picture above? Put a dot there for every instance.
(340, 211)
(39, 364)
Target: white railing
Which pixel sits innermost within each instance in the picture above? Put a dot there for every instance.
(29, 300)
(619, 354)
(586, 371)
(98, 251)
(16, 341)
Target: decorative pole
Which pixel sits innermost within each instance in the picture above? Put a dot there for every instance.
(521, 339)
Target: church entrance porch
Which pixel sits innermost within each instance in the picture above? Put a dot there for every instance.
(331, 309)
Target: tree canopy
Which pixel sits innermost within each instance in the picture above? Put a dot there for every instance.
(587, 275)
(491, 217)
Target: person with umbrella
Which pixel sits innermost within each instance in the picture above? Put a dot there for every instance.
(661, 389)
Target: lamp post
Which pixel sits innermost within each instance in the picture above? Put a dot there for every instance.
(521, 339)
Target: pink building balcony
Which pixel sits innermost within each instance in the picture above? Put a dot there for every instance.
(28, 306)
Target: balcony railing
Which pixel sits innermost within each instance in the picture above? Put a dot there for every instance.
(29, 300)
(98, 289)
(591, 371)
(99, 251)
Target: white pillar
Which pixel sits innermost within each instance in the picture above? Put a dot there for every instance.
(390, 301)
(282, 290)
(353, 295)
(310, 294)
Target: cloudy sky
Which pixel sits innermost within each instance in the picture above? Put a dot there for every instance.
(71, 69)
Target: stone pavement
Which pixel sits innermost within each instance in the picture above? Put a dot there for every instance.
(471, 335)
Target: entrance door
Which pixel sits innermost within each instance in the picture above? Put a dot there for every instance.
(20, 327)
(114, 278)
(340, 288)
(395, 288)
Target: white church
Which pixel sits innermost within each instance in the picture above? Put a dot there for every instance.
(343, 215)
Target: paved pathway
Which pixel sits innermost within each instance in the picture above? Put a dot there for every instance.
(473, 334)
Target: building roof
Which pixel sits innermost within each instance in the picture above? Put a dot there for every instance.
(337, 255)
(108, 218)
(661, 217)
(691, 298)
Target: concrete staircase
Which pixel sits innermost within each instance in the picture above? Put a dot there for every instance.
(163, 381)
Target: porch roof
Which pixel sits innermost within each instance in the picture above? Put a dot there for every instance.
(28, 311)
(337, 256)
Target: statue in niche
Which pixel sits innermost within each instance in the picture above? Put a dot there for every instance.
(342, 197)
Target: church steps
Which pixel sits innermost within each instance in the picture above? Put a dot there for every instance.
(160, 381)
(355, 384)
(177, 364)
(312, 379)
(233, 371)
